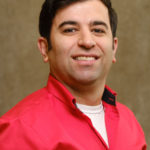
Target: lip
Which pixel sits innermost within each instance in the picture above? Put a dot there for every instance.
(85, 55)
(85, 62)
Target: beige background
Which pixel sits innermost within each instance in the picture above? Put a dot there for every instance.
(22, 70)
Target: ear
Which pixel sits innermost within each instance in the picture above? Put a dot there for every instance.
(115, 46)
(43, 48)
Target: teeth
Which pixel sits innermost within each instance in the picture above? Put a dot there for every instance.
(85, 58)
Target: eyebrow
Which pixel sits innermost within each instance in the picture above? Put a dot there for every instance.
(67, 23)
(95, 23)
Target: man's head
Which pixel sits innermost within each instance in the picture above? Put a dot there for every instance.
(82, 44)
(51, 7)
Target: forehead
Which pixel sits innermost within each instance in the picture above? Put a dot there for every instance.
(83, 12)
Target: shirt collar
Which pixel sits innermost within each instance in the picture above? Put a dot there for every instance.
(58, 90)
(109, 96)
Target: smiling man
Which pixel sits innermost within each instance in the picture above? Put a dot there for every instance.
(76, 110)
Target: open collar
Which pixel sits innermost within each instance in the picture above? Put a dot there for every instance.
(57, 89)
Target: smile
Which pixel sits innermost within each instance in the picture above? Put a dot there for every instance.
(85, 58)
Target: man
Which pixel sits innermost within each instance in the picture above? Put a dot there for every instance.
(75, 111)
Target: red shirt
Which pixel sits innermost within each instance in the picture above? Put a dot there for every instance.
(48, 119)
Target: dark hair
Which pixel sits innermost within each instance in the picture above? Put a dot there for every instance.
(50, 8)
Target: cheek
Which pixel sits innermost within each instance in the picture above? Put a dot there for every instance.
(59, 54)
(105, 45)
(106, 48)
(62, 45)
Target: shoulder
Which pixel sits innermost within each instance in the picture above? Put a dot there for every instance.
(128, 118)
(28, 106)
(27, 118)
(30, 118)
(125, 112)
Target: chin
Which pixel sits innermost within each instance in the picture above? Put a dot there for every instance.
(85, 79)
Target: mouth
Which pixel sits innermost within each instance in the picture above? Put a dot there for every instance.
(85, 58)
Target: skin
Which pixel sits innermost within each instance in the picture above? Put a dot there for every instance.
(83, 49)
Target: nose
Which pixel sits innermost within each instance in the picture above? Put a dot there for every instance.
(86, 40)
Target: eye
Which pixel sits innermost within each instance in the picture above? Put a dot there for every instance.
(98, 31)
(69, 30)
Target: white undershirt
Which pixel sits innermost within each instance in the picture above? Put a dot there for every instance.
(96, 114)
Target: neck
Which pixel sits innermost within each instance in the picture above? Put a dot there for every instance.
(88, 94)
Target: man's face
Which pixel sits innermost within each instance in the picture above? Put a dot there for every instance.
(82, 44)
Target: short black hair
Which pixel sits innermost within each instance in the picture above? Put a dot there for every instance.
(50, 8)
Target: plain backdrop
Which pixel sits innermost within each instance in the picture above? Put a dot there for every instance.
(22, 70)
